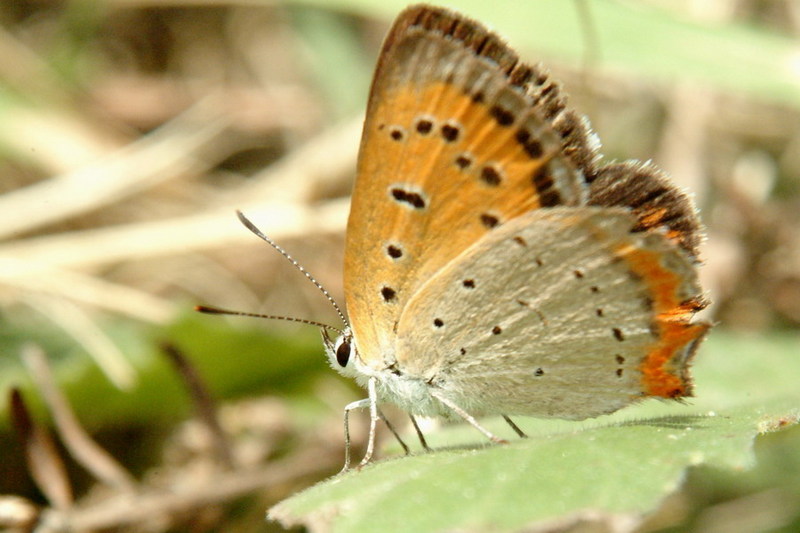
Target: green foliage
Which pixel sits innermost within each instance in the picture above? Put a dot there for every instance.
(233, 361)
(622, 464)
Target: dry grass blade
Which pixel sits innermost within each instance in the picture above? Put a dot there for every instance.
(80, 326)
(28, 277)
(133, 510)
(27, 258)
(288, 185)
(87, 452)
(322, 162)
(44, 462)
(17, 514)
(170, 151)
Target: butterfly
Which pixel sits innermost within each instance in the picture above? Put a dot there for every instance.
(494, 265)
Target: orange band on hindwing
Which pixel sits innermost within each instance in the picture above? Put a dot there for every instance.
(677, 337)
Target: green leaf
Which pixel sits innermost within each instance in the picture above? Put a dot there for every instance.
(622, 464)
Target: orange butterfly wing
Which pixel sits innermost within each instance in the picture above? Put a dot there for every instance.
(459, 138)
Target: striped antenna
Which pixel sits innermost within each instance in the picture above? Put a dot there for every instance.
(217, 311)
(249, 225)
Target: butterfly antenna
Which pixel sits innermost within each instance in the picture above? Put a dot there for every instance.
(217, 311)
(249, 225)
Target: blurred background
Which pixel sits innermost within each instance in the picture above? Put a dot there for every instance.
(131, 131)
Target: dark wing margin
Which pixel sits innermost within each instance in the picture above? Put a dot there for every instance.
(657, 203)
(533, 82)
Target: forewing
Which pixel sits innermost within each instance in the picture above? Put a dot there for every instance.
(459, 138)
(560, 312)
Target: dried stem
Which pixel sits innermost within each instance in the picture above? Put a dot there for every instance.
(77, 441)
(203, 402)
(44, 461)
(127, 510)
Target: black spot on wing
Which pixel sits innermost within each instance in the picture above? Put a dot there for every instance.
(490, 175)
(489, 221)
(543, 182)
(424, 126)
(410, 198)
(394, 251)
(463, 161)
(450, 132)
(388, 293)
(503, 116)
(532, 146)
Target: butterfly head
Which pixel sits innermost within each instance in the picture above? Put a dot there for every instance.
(341, 352)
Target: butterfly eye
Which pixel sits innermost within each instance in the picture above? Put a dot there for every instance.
(343, 353)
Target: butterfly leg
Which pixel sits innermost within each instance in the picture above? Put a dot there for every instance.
(373, 421)
(375, 414)
(419, 433)
(467, 417)
(360, 404)
(394, 432)
(515, 427)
